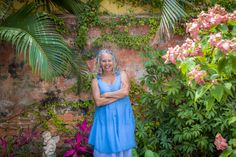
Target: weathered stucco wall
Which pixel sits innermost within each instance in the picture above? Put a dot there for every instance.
(20, 88)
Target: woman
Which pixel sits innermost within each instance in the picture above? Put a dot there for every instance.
(112, 133)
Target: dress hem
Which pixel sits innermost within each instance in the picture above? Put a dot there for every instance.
(124, 149)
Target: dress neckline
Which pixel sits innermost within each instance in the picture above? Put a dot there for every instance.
(110, 83)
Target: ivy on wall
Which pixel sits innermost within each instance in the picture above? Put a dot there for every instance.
(122, 37)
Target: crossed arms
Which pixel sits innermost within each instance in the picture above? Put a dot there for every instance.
(110, 97)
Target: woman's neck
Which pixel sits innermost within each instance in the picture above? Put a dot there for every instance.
(108, 74)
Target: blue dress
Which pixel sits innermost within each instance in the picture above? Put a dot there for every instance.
(113, 125)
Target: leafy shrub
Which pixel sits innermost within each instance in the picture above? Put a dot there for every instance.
(79, 145)
(193, 106)
(26, 143)
(175, 124)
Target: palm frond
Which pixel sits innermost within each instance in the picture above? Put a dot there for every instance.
(34, 36)
(71, 6)
(171, 13)
(79, 69)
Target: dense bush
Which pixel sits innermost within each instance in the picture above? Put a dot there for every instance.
(174, 124)
(190, 107)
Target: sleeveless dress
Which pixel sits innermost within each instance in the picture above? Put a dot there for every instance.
(112, 132)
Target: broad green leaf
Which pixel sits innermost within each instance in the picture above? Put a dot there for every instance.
(206, 48)
(222, 64)
(234, 31)
(186, 65)
(217, 55)
(227, 88)
(214, 76)
(134, 153)
(232, 120)
(149, 153)
(227, 151)
(202, 59)
(217, 92)
(209, 103)
(231, 22)
(223, 28)
(232, 58)
(201, 91)
(233, 154)
(232, 142)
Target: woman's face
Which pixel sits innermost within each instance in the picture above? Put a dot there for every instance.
(106, 62)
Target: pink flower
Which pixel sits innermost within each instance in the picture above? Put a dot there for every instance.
(197, 51)
(224, 45)
(220, 142)
(193, 29)
(214, 82)
(218, 10)
(233, 44)
(232, 16)
(198, 75)
(214, 39)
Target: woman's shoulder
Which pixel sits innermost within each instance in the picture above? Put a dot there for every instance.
(94, 81)
(123, 74)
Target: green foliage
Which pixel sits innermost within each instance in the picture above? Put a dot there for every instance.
(154, 4)
(136, 91)
(88, 16)
(119, 32)
(53, 104)
(35, 38)
(86, 79)
(60, 24)
(179, 125)
(230, 5)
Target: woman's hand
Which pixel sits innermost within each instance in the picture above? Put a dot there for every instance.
(105, 95)
(100, 100)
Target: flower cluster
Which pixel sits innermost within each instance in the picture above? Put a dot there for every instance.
(225, 45)
(220, 142)
(198, 75)
(188, 49)
(204, 40)
(204, 21)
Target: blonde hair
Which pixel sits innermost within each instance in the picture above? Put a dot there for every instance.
(99, 70)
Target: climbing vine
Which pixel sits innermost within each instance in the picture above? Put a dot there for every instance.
(117, 30)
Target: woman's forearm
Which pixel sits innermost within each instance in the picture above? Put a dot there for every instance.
(116, 94)
(102, 101)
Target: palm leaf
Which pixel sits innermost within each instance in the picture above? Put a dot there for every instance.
(78, 68)
(71, 6)
(34, 36)
(171, 13)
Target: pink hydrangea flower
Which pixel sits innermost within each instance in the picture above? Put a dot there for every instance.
(220, 142)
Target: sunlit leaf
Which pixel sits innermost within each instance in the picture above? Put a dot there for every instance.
(217, 92)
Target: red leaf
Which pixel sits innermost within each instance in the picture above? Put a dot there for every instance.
(83, 126)
(84, 150)
(72, 142)
(69, 152)
(78, 137)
